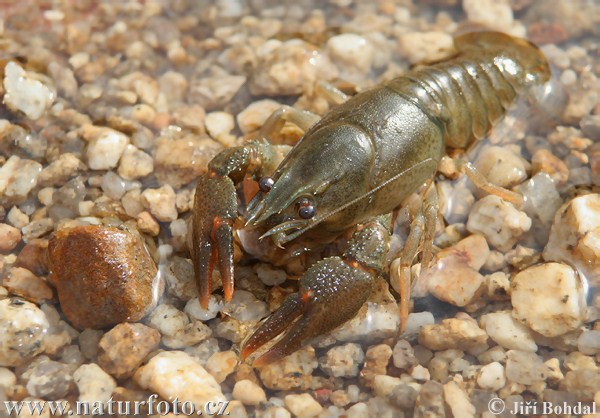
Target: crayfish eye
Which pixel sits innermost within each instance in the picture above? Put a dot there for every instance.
(265, 184)
(306, 208)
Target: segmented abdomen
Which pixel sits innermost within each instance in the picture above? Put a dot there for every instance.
(470, 92)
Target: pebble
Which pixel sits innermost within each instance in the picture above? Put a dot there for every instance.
(498, 221)
(194, 310)
(255, 114)
(583, 384)
(244, 306)
(501, 166)
(303, 406)
(505, 330)
(269, 275)
(161, 203)
(22, 329)
(9, 237)
(7, 378)
(219, 124)
(574, 236)
(525, 368)
(588, 342)
(18, 176)
(180, 157)
(455, 278)
(179, 276)
(343, 360)
(22, 282)
(122, 349)
(377, 358)
(404, 355)
(422, 47)
(384, 385)
(135, 163)
(420, 373)
(544, 161)
(105, 147)
(430, 401)
(491, 377)
(287, 68)
(248, 392)
(17, 218)
(27, 91)
(353, 55)
(50, 380)
(94, 384)
(175, 374)
(452, 333)
(213, 93)
(291, 372)
(112, 280)
(373, 321)
(222, 364)
(491, 14)
(548, 298)
(458, 401)
(147, 224)
(274, 412)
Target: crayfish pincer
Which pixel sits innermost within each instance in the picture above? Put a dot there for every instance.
(351, 169)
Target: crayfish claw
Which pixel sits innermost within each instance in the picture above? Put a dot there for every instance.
(215, 209)
(331, 292)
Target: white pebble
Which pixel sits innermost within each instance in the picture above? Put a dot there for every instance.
(303, 406)
(161, 203)
(248, 392)
(245, 307)
(548, 298)
(420, 47)
(167, 319)
(23, 327)
(384, 385)
(588, 342)
(508, 332)
(353, 55)
(458, 401)
(105, 148)
(219, 124)
(27, 91)
(525, 368)
(94, 384)
(194, 310)
(18, 177)
(7, 378)
(491, 377)
(135, 163)
(343, 360)
(175, 374)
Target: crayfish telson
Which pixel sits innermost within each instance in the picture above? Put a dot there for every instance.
(350, 170)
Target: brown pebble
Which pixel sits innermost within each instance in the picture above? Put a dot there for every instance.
(542, 33)
(9, 237)
(34, 257)
(544, 161)
(377, 358)
(103, 275)
(22, 282)
(124, 348)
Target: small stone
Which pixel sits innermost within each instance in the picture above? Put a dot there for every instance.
(458, 400)
(589, 342)
(424, 47)
(303, 406)
(420, 373)
(430, 401)
(452, 333)
(9, 237)
(583, 384)
(22, 282)
(579, 361)
(291, 372)
(525, 368)
(455, 278)
(575, 236)
(135, 163)
(404, 356)
(501, 166)
(377, 358)
(105, 147)
(147, 224)
(374, 320)
(254, 116)
(161, 203)
(124, 348)
(37, 228)
(270, 276)
(491, 377)
(548, 298)
(244, 306)
(94, 384)
(343, 360)
(17, 178)
(174, 374)
(222, 364)
(112, 280)
(543, 161)
(219, 124)
(22, 329)
(181, 282)
(505, 330)
(26, 91)
(353, 55)
(17, 218)
(384, 385)
(403, 396)
(358, 410)
(214, 92)
(491, 14)
(194, 310)
(555, 374)
(7, 378)
(498, 221)
(249, 393)
(50, 380)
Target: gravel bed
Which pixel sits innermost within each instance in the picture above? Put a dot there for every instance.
(111, 110)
